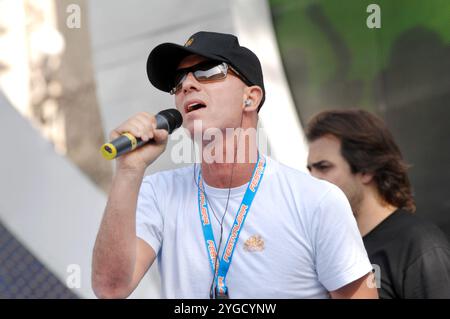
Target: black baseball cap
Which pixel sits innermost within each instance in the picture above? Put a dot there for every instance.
(165, 58)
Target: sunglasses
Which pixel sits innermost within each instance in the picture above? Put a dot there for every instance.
(203, 72)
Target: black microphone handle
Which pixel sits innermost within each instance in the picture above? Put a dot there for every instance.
(161, 124)
(127, 142)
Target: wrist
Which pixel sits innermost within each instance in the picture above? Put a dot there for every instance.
(124, 170)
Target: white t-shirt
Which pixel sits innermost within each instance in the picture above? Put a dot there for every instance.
(299, 240)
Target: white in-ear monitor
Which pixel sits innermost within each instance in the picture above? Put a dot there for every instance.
(248, 102)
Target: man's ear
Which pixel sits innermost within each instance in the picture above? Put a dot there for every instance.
(252, 98)
(366, 178)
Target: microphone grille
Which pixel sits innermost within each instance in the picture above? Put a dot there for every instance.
(173, 118)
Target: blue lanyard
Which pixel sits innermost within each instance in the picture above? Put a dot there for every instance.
(233, 237)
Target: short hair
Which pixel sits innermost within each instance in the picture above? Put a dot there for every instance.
(369, 147)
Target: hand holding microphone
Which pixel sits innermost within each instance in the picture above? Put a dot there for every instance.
(142, 138)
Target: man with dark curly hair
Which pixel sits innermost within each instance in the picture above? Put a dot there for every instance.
(354, 150)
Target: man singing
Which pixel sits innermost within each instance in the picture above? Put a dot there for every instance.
(250, 228)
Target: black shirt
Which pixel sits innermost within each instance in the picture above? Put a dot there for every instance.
(413, 257)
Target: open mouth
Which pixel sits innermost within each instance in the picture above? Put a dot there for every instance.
(194, 106)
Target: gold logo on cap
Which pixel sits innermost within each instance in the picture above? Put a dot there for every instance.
(254, 243)
(189, 42)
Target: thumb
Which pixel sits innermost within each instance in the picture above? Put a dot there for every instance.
(160, 136)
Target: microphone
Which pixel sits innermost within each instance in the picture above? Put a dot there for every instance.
(168, 120)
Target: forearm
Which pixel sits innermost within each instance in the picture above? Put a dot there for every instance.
(114, 254)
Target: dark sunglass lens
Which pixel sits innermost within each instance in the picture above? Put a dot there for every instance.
(204, 71)
(179, 76)
(215, 72)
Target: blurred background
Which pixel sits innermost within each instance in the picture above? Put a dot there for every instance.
(71, 71)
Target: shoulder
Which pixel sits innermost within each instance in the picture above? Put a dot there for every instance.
(310, 191)
(168, 178)
(408, 237)
(418, 232)
(426, 258)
